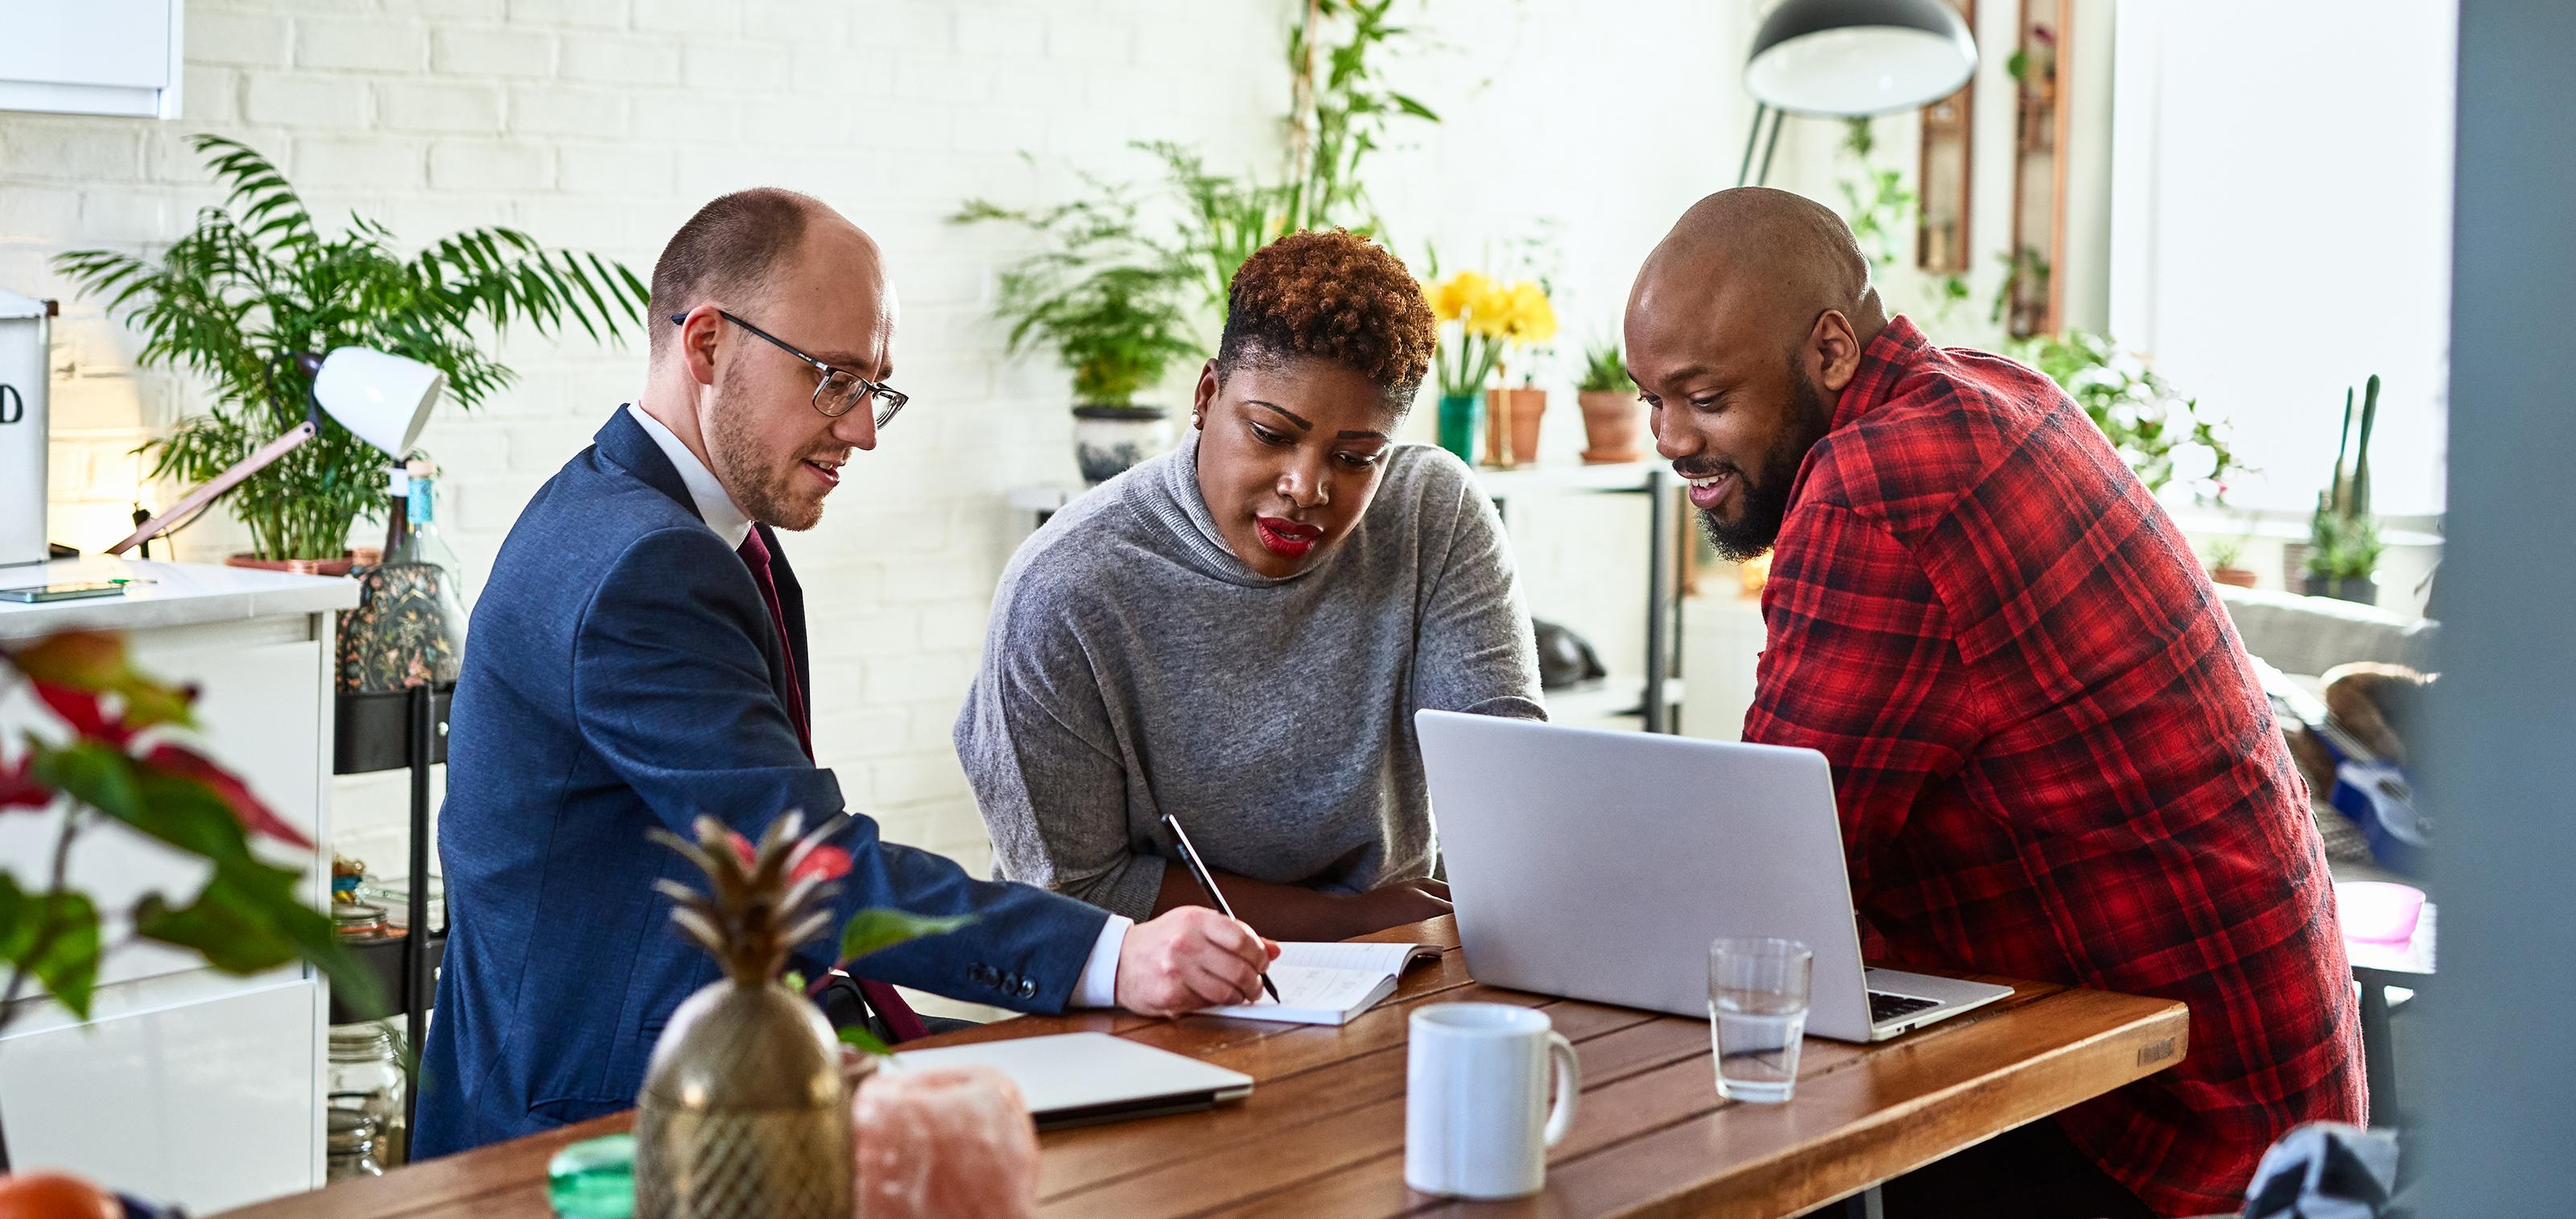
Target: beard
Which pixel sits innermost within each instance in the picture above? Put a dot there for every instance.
(1766, 492)
(771, 495)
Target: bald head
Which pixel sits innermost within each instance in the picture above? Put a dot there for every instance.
(1743, 328)
(1775, 257)
(737, 247)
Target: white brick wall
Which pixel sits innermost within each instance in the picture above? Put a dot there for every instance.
(603, 123)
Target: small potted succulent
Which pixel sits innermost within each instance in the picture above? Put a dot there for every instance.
(2224, 555)
(1613, 419)
(1114, 305)
(2343, 539)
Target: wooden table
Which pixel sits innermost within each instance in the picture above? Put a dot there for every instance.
(1323, 1132)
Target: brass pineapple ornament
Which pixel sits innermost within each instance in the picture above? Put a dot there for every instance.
(744, 1113)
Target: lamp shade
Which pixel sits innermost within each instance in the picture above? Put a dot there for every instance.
(384, 399)
(1854, 58)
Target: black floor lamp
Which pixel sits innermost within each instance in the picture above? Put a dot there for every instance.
(1849, 59)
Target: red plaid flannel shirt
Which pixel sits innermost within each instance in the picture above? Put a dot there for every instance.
(2052, 757)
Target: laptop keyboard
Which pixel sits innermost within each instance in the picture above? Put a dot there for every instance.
(1884, 1007)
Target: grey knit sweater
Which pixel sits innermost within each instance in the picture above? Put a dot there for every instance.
(1134, 665)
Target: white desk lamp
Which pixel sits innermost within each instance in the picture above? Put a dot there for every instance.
(382, 399)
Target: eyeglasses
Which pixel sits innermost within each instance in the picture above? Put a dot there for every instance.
(838, 391)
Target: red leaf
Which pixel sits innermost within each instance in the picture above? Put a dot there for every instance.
(18, 790)
(742, 849)
(255, 816)
(80, 709)
(828, 862)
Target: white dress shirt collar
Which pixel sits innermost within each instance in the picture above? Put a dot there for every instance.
(715, 505)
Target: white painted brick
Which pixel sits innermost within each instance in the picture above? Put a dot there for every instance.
(696, 18)
(916, 677)
(126, 216)
(38, 213)
(737, 67)
(916, 779)
(487, 167)
(937, 80)
(81, 150)
(801, 22)
(371, 161)
(614, 169)
(873, 733)
(416, 106)
(589, 14)
(459, 9)
(362, 43)
(598, 114)
(299, 100)
(1003, 30)
(882, 32)
(1089, 37)
(468, 51)
(256, 40)
(615, 60)
(680, 119)
(209, 95)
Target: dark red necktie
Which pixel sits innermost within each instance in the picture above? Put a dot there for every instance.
(755, 555)
(898, 1015)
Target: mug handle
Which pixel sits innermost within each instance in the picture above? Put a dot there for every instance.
(1569, 1085)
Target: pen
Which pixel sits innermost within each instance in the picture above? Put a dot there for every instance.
(1199, 872)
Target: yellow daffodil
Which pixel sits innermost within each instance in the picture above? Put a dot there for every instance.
(1457, 295)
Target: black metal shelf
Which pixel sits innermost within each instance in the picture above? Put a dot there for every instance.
(400, 730)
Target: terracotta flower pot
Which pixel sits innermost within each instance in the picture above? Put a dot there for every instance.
(1613, 424)
(2238, 576)
(302, 567)
(1516, 411)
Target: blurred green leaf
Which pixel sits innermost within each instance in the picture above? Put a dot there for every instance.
(80, 660)
(877, 929)
(864, 1040)
(250, 917)
(53, 936)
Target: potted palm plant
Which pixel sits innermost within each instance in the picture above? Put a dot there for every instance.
(1611, 412)
(256, 284)
(1115, 306)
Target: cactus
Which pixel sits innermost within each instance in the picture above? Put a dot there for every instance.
(2343, 540)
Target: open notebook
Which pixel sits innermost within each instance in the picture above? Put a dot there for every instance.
(1329, 983)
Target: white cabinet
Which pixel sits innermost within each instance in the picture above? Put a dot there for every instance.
(186, 1085)
(91, 56)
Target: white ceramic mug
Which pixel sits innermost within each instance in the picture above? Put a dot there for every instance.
(1475, 1095)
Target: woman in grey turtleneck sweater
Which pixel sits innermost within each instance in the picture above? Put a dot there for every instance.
(1238, 632)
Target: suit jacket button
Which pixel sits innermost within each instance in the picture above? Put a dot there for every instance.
(1028, 989)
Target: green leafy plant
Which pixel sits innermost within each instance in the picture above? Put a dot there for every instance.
(256, 283)
(1111, 302)
(2166, 438)
(2225, 551)
(2343, 538)
(2023, 294)
(1605, 370)
(124, 771)
(1876, 203)
(1120, 289)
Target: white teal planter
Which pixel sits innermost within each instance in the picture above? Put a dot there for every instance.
(1109, 439)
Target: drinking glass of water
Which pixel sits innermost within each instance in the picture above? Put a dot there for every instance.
(1757, 1015)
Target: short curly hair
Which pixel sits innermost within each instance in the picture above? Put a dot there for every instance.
(1333, 295)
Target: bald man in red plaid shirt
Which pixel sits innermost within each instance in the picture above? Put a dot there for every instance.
(2050, 752)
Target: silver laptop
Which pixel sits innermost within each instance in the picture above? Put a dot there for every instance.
(1598, 865)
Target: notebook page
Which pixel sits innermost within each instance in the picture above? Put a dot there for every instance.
(1367, 958)
(1309, 995)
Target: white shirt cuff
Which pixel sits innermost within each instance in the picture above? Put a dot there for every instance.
(1099, 984)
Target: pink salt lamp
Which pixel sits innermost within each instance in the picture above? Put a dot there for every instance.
(942, 1142)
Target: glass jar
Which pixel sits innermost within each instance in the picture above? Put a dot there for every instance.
(349, 1146)
(366, 1079)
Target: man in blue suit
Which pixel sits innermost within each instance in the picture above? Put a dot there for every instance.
(638, 658)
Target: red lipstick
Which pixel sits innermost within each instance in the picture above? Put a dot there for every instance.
(1286, 538)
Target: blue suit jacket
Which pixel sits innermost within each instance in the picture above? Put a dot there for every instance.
(622, 674)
